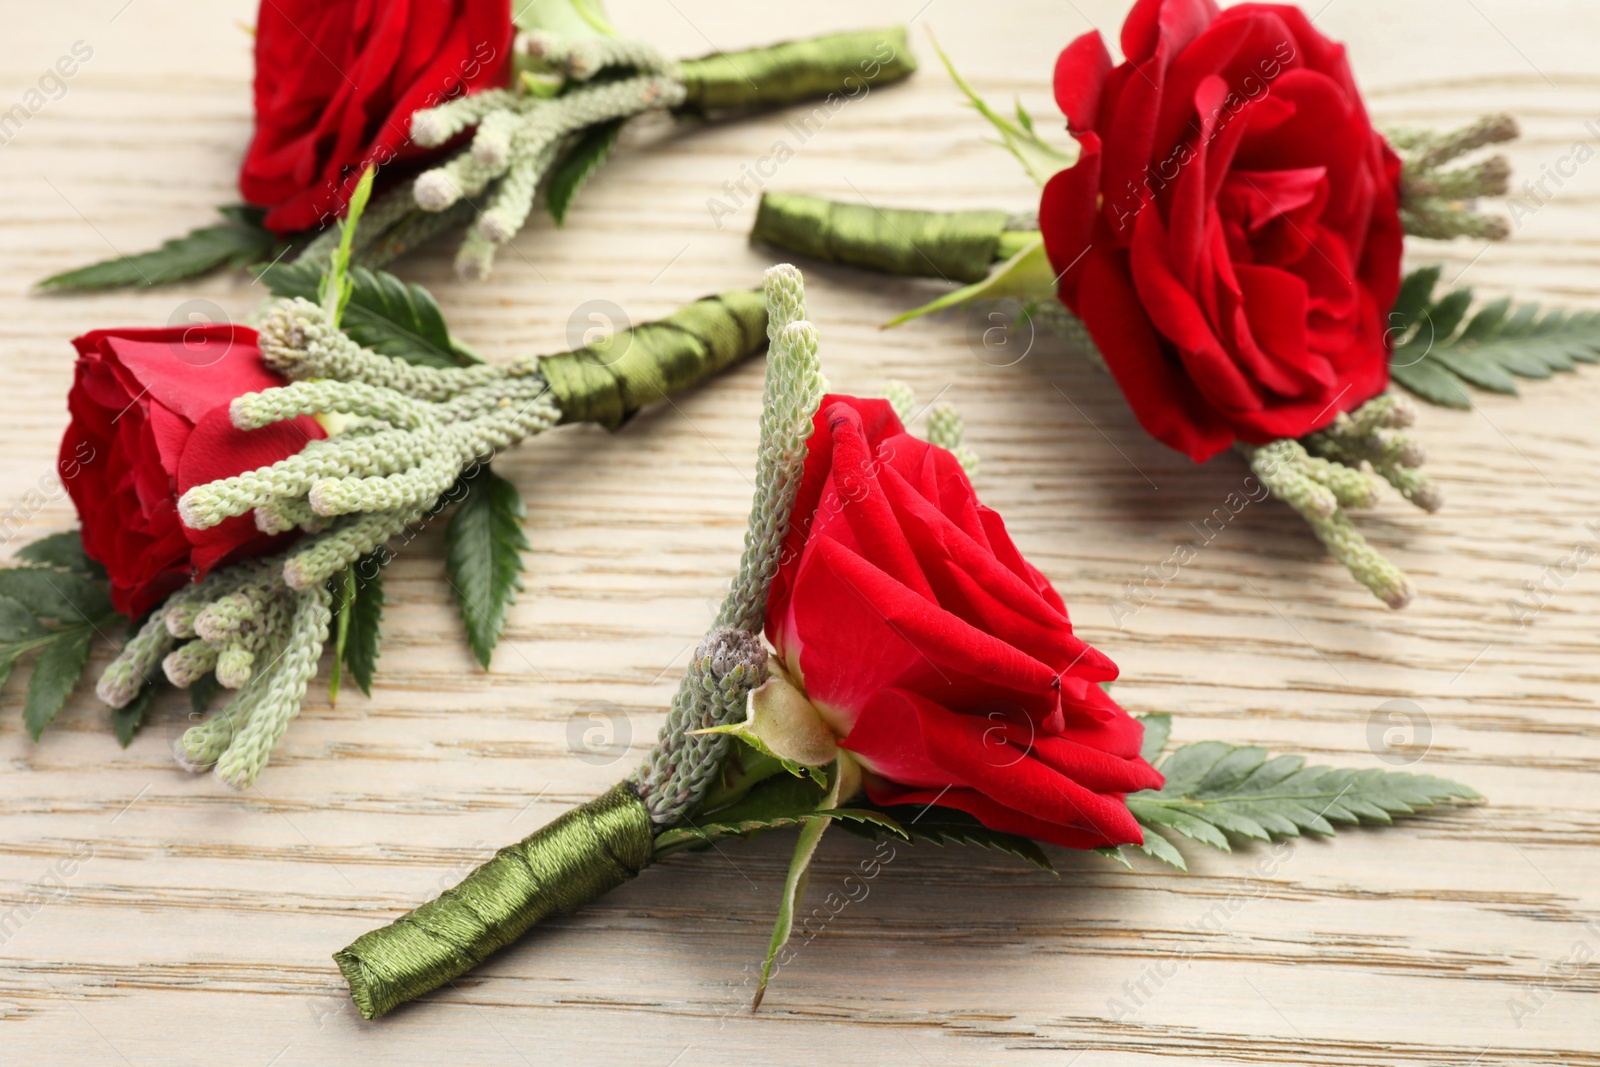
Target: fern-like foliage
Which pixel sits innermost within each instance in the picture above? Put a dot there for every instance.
(1216, 791)
(237, 242)
(1439, 351)
(952, 826)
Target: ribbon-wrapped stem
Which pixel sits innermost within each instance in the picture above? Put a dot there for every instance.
(843, 63)
(560, 120)
(580, 856)
(957, 246)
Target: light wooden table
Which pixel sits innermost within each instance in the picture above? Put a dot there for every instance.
(200, 930)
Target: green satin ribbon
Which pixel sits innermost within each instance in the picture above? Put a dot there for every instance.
(843, 63)
(958, 246)
(585, 853)
(609, 381)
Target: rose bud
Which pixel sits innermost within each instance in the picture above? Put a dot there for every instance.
(150, 420)
(941, 660)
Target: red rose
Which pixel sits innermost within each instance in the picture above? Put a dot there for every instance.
(1230, 234)
(935, 652)
(149, 421)
(337, 82)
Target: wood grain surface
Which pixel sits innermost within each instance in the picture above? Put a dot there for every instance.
(196, 925)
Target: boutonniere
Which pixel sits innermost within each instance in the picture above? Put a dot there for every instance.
(472, 109)
(1225, 235)
(239, 491)
(888, 662)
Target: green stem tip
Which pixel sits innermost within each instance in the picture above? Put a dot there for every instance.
(580, 856)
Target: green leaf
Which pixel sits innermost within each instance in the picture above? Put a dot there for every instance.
(794, 884)
(8, 662)
(1216, 791)
(1038, 157)
(1416, 293)
(772, 802)
(778, 797)
(240, 241)
(1026, 276)
(1116, 855)
(1158, 847)
(1439, 351)
(64, 551)
(1432, 383)
(335, 286)
(127, 719)
(590, 150)
(484, 544)
(865, 821)
(366, 620)
(942, 826)
(343, 587)
(17, 623)
(357, 620)
(385, 314)
(1157, 728)
(201, 690)
(55, 674)
(54, 594)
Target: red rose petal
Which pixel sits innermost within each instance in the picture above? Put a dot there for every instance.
(1080, 76)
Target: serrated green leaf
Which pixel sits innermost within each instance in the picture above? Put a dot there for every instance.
(127, 719)
(1157, 847)
(866, 822)
(1431, 382)
(1215, 790)
(772, 798)
(587, 153)
(484, 544)
(366, 621)
(8, 663)
(237, 243)
(1416, 293)
(1437, 357)
(385, 314)
(1177, 819)
(771, 801)
(1185, 768)
(55, 675)
(1157, 728)
(940, 825)
(1447, 313)
(17, 623)
(64, 551)
(1488, 320)
(55, 594)
(1116, 855)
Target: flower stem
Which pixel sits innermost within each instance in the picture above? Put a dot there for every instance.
(582, 855)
